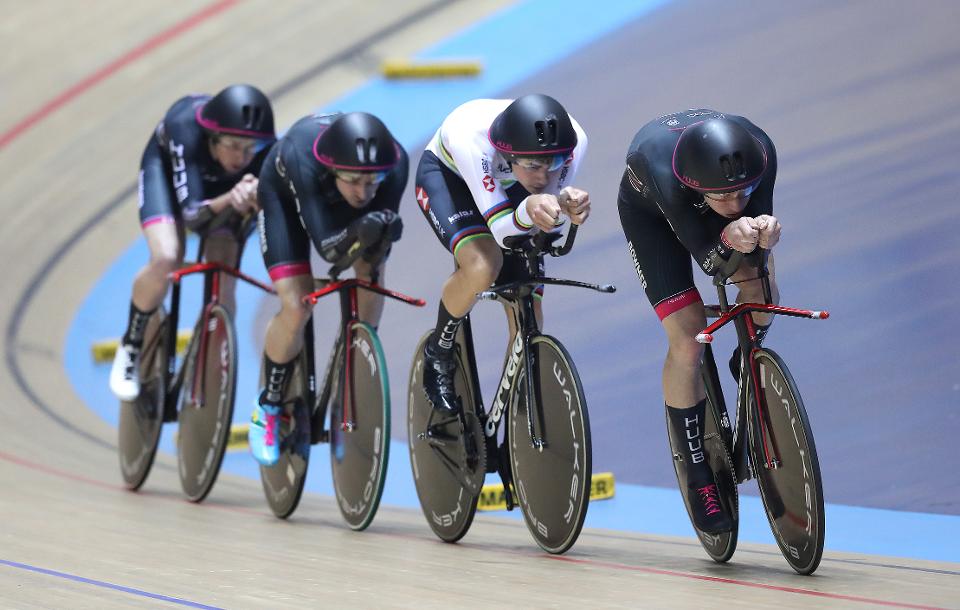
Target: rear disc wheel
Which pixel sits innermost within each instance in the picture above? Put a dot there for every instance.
(141, 420)
(283, 482)
(448, 467)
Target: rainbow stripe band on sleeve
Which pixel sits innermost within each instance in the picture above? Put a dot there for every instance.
(497, 212)
(464, 235)
(518, 223)
(445, 155)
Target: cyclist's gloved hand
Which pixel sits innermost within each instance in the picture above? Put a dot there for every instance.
(392, 228)
(379, 225)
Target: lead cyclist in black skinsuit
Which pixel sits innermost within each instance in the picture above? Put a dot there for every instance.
(335, 180)
(199, 169)
(700, 183)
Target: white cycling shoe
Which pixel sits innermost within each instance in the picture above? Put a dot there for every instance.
(125, 374)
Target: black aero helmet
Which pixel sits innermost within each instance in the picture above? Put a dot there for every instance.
(534, 124)
(238, 110)
(357, 141)
(718, 156)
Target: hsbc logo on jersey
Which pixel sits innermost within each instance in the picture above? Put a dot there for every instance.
(488, 183)
(423, 199)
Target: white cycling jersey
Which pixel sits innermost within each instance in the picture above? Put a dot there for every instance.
(462, 144)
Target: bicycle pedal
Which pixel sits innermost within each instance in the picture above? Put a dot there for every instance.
(508, 496)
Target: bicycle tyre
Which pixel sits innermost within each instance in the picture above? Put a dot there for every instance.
(141, 420)
(359, 457)
(284, 481)
(720, 547)
(448, 500)
(552, 484)
(792, 493)
(205, 428)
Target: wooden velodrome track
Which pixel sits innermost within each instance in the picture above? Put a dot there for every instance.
(73, 538)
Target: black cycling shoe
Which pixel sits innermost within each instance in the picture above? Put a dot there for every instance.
(438, 382)
(709, 516)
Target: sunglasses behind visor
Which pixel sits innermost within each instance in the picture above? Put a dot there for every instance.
(549, 162)
(351, 177)
(729, 196)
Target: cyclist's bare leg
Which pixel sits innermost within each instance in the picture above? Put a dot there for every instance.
(222, 247)
(369, 304)
(285, 331)
(478, 265)
(751, 291)
(166, 253)
(682, 386)
(685, 398)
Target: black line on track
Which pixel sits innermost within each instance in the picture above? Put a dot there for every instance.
(359, 47)
(37, 280)
(22, 306)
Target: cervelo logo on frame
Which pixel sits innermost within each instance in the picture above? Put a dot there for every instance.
(490, 428)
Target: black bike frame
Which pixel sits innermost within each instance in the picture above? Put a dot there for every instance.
(518, 297)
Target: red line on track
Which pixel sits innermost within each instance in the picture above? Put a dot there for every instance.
(109, 69)
(742, 583)
(63, 474)
(587, 562)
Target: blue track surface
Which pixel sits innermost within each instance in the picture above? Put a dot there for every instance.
(616, 377)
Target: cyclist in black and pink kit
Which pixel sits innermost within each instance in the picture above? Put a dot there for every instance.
(700, 183)
(199, 169)
(334, 180)
(494, 169)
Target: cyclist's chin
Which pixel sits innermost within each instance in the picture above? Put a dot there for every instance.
(358, 204)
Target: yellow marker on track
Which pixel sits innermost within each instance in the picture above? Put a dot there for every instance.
(493, 498)
(403, 68)
(238, 437)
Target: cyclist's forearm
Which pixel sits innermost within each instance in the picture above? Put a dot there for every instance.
(198, 214)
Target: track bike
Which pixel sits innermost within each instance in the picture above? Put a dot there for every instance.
(199, 394)
(544, 455)
(772, 440)
(356, 395)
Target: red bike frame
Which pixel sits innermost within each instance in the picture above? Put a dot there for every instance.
(748, 339)
(348, 312)
(212, 273)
